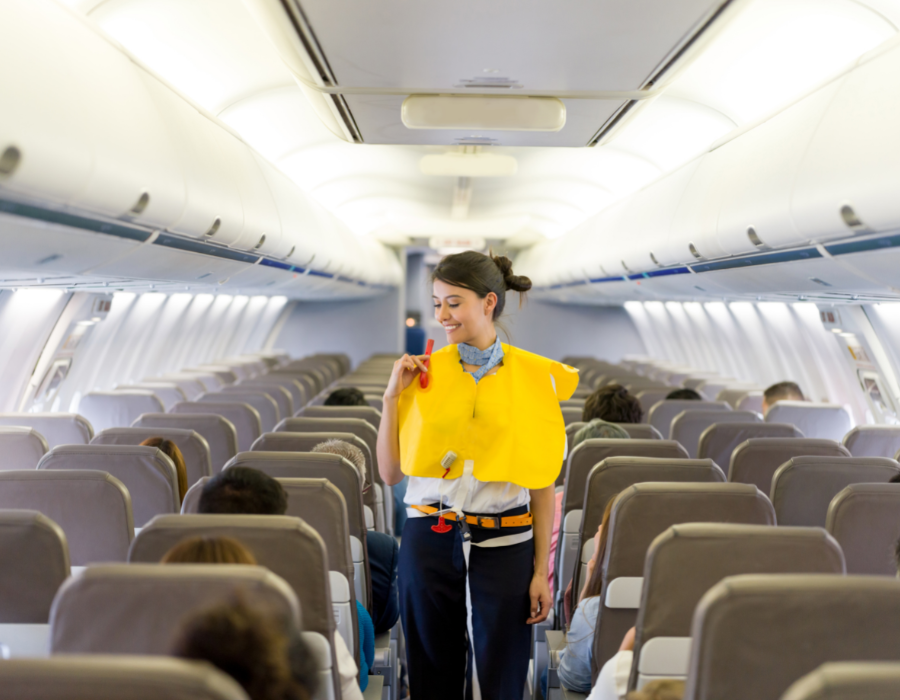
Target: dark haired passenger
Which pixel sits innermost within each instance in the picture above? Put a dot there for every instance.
(346, 396)
(170, 449)
(382, 549)
(684, 395)
(613, 404)
(263, 653)
(783, 391)
(245, 491)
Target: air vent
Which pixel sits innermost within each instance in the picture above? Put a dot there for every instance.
(694, 251)
(10, 160)
(261, 241)
(141, 205)
(215, 227)
(850, 218)
(754, 237)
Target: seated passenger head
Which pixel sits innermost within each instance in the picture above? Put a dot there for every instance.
(243, 491)
(599, 429)
(783, 391)
(663, 689)
(262, 652)
(613, 404)
(346, 396)
(469, 294)
(209, 550)
(171, 450)
(351, 453)
(684, 395)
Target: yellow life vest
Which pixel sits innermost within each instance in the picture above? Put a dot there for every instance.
(509, 424)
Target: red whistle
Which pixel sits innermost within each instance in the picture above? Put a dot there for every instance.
(423, 377)
(442, 525)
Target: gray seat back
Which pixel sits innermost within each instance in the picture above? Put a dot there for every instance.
(190, 386)
(688, 426)
(873, 441)
(147, 473)
(814, 420)
(648, 398)
(117, 409)
(865, 520)
(803, 487)
(138, 608)
(262, 403)
(92, 508)
(589, 453)
(356, 426)
(114, 677)
(35, 559)
(21, 447)
(167, 392)
(299, 397)
(242, 416)
(640, 431)
(733, 396)
(193, 446)
(219, 432)
(756, 460)
(279, 394)
(793, 623)
(56, 428)
(191, 502)
(720, 440)
(639, 515)
(687, 560)
(662, 413)
(859, 680)
(366, 413)
(571, 415)
(751, 401)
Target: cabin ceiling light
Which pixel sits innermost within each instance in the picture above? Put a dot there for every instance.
(483, 113)
(468, 164)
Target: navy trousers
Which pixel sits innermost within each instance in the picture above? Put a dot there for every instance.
(444, 662)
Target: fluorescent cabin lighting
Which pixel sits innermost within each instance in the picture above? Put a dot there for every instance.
(468, 165)
(483, 113)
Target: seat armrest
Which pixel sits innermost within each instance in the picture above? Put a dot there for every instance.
(556, 642)
(374, 689)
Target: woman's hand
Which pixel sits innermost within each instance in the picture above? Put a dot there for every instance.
(406, 369)
(540, 599)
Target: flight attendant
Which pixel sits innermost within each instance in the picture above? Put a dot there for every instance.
(478, 429)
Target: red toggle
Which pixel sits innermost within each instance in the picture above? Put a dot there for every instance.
(423, 377)
(441, 526)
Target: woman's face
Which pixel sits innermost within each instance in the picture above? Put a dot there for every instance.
(466, 318)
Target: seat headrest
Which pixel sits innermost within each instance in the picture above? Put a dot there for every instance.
(21, 447)
(193, 446)
(873, 441)
(117, 409)
(219, 432)
(814, 420)
(872, 680)
(367, 413)
(756, 460)
(242, 416)
(662, 413)
(688, 426)
(863, 519)
(719, 440)
(56, 428)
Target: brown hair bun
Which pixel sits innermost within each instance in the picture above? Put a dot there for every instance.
(516, 283)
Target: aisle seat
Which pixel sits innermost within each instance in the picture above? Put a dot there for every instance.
(287, 547)
(117, 409)
(848, 680)
(865, 520)
(662, 413)
(190, 386)
(147, 473)
(366, 413)
(751, 402)
(92, 508)
(281, 396)
(873, 441)
(297, 393)
(719, 441)
(755, 460)
(803, 487)
(35, 559)
(167, 392)
(572, 403)
(711, 388)
(814, 420)
(687, 560)
(219, 433)
(21, 447)
(193, 446)
(242, 416)
(688, 426)
(305, 442)
(55, 428)
(793, 623)
(262, 403)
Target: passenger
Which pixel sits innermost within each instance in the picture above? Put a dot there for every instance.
(245, 491)
(471, 565)
(264, 654)
(612, 681)
(613, 404)
(663, 689)
(209, 550)
(783, 391)
(382, 549)
(346, 396)
(171, 450)
(684, 395)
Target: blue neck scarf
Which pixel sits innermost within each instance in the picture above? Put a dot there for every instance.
(485, 360)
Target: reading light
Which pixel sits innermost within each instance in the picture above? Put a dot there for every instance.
(456, 164)
(483, 113)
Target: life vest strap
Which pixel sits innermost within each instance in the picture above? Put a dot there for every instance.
(487, 522)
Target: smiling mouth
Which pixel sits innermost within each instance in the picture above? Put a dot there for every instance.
(450, 329)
